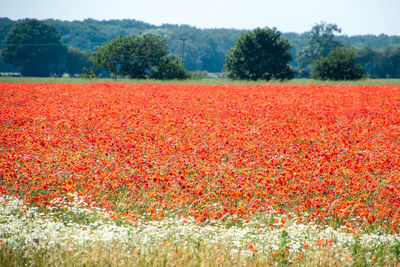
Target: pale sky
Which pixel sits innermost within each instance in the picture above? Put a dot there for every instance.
(353, 16)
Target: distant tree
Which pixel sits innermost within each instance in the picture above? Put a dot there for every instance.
(170, 67)
(339, 64)
(391, 65)
(88, 73)
(75, 60)
(133, 57)
(371, 60)
(35, 47)
(6, 25)
(260, 54)
(205, 49)
(380, 64)
(320, 41)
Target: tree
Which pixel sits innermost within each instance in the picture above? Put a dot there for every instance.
(34, 46)
(339, 64)
(260, 54)
(205, 49)
(76, 60)
(370, 60)
(170, 67)
(390, 67)
(380, 64)
(88, 73)
(134, 57)
(320, 41)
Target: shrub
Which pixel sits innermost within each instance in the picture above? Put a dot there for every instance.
(170, 67)
(339, 64)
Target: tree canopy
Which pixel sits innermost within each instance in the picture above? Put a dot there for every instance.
(139, 57)
(320, 41)
(380, 64)
(129, 56)
(34, 46)
(260, 54)
(205, 49)
(339, 64)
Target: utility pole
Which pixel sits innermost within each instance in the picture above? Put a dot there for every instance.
(183, 48)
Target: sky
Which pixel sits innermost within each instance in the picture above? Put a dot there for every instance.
(354, 17)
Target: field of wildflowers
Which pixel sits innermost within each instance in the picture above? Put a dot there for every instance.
(255, 173)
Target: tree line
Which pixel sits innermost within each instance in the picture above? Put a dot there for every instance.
(298, 57)
(36, 49)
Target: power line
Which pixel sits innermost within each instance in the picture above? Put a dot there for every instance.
(41, 44)
(48, 44)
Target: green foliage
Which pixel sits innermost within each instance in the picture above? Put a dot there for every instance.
(34, 46)
(396, 250)
(370, 60)
(376, 42)
(205, 49)
(380, 64)
(170, 67)
(339, 64)
(88, 73)
(6, 25)
(74, 61)
(320, 41)
(133, 57)
(260, 54)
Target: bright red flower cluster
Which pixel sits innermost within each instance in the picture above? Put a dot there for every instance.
(332, 152)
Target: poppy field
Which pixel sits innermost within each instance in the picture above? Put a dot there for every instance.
(317, 154)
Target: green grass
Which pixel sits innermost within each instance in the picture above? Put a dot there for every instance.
(196, 81)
